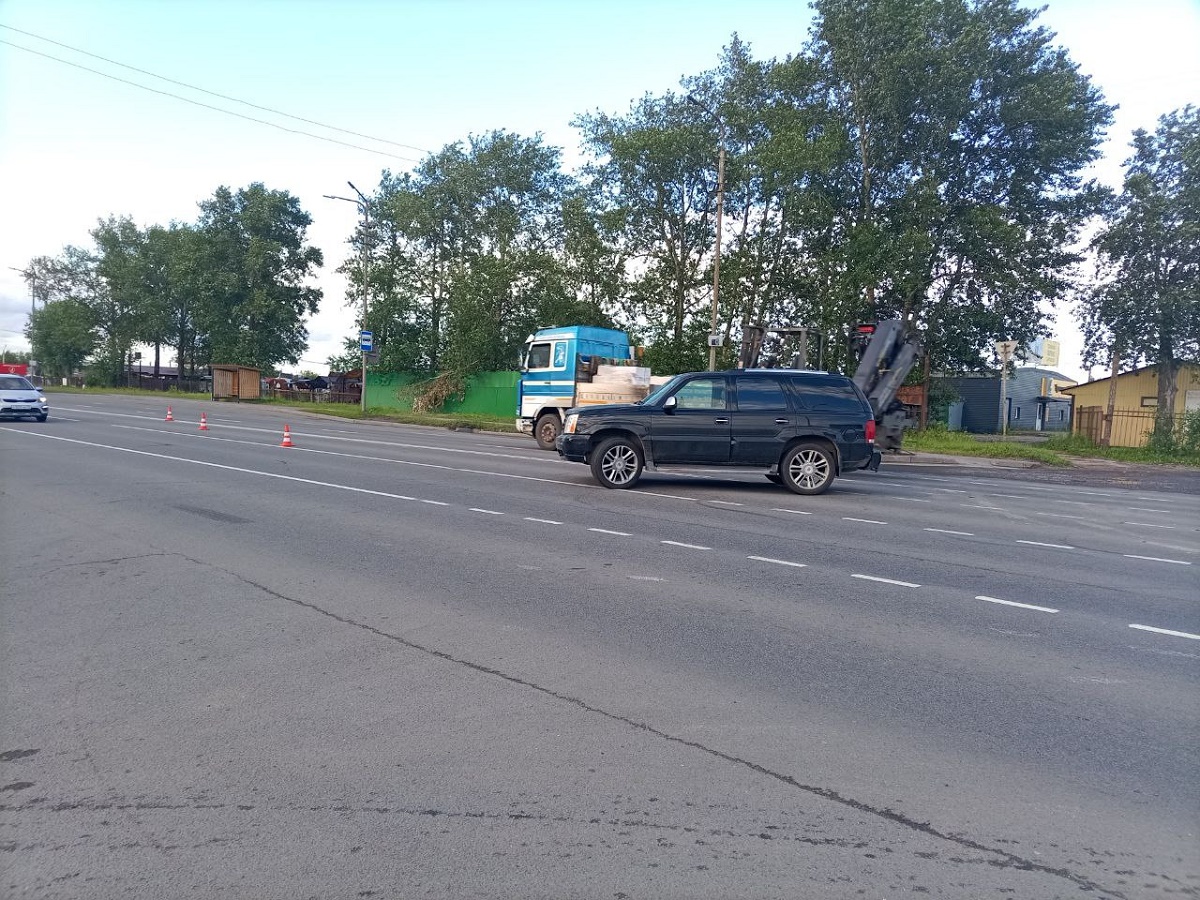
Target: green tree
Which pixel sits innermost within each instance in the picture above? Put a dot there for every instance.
(1146, 302)
(62, 336)
(251, 269)
(959, 197)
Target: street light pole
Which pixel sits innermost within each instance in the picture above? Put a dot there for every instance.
(716, 288)
(365, 206)
(31, 277)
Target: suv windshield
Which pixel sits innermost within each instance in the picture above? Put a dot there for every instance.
(15, 383)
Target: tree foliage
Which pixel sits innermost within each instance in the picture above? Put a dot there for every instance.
(1145, 303)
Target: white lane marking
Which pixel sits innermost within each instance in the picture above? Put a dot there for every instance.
(686, 546)
(1147, 525)
(213, 465)
(1059, 516)
(1146, 509)
(726, 502)
(668, 496)
(1011, 496)
(1042, 544)
(645, 578)
(951, 490)
(912, 499)
(1094, 493)
(542, 521)
(886, 580)
(1182, 634)
(490, 512)
(606, 531)
(384, 459)
(948, 531)
(867, 521)
(1178, 562)
(976, 506)
(778, 562)
(794, 512)
(1014, 603)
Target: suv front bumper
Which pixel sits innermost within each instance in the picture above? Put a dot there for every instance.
(574, 447)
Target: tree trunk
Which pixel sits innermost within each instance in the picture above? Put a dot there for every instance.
(1168, 385)
(1106, 436)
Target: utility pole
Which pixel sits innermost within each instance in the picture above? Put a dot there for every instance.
(713, 339)
(1005, 350)
(364, 206)
(1106, 434)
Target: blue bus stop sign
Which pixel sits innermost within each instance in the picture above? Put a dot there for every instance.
(366, 341)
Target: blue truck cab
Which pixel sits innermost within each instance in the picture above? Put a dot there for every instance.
(553, 363)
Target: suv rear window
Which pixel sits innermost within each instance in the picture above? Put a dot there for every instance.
(760, 393)
(832, 395)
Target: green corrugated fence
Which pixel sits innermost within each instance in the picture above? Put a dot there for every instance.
(487, 393)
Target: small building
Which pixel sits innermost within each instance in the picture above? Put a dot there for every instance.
(1034, 398)
(1136, 403)
(235, 383)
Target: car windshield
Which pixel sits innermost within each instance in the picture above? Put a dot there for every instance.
(15, 383)
(657, 395)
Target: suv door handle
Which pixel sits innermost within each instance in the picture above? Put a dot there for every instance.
(721, 420)
(783, 421)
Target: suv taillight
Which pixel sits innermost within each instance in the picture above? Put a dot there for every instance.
(870, 431)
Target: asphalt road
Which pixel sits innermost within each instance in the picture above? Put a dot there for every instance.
(406, 662)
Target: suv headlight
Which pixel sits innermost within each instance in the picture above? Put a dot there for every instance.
(569, 427)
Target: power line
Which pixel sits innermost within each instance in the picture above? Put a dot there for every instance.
(213, 93)
(227, 112)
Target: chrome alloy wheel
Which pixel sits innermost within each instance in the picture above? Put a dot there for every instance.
(809, 469)
(620, 464)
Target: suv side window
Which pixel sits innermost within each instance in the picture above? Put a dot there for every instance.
(828, 395)
(701, 393)
(760, 393)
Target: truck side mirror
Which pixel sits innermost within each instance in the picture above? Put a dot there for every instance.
(670, 403)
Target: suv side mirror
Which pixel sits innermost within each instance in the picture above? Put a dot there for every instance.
(670, 403)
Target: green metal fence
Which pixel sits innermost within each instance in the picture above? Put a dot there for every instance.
(487, 393)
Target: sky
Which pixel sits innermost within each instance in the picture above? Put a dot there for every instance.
(409, 76)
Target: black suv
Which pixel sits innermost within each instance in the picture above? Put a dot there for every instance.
(804, 428)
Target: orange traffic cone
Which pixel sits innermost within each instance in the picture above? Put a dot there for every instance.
(203, 422)
(170, 417)
(287, 437)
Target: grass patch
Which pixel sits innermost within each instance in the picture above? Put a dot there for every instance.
(959, 443)
(127, 392)
(1054, 451)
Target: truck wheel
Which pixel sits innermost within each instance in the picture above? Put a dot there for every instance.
(807, 468)
(617, 463)
(547, 428)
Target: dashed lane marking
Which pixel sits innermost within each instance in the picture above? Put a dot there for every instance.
(1059, 516)
(726, 503)
(1147, 525)
(1046, 609)
(1147, 509)
(489, 512)
(778, 562)
(645, 578)
(886, 580)
(948, 531)
(1168, 631)
(912, 499)
(868, 521)
(794, 512)
(977, 506)
(1051, 546)
(685, 546)
(607, 531)
(1178, 562)
(542, 521)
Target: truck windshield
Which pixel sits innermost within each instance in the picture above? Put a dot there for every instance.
(659, 393)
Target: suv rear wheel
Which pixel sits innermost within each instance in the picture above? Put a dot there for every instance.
(807, 468)
(617, 463)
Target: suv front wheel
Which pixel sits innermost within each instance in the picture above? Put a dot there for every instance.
(617, 463)
(808, 468)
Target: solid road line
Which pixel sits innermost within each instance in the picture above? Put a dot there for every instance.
(1182, 634)
(1014, 603)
